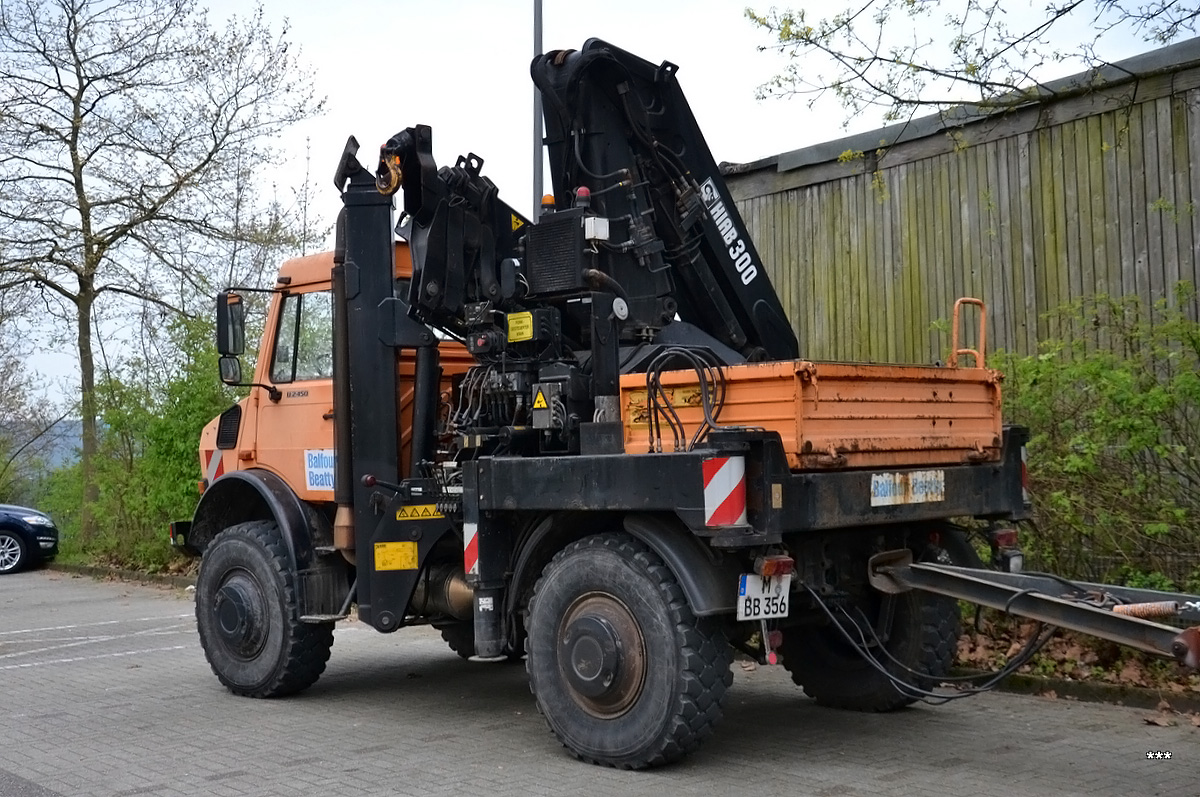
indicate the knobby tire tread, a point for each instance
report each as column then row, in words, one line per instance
column 937, row 624
column 707, row 656
column 308, row 644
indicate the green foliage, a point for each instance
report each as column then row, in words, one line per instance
column 1114, row 409
column 147, row 464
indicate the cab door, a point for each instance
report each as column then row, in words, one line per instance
column 295, row 433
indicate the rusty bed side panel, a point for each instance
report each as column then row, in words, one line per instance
column 837, row 415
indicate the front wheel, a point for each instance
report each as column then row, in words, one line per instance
column 622, row 670
column 247, row 618
column 12, row 552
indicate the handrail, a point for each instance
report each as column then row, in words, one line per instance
column 978, row 354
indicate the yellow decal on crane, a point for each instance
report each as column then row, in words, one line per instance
column 418, row 512
column 520, row 327
column 539, row 401
column 516, row 223
column 395, row 556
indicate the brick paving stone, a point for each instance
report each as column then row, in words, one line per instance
column 104, row 691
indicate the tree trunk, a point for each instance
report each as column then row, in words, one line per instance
column 87, row 409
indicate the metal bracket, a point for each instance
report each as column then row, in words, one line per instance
column 880, row 571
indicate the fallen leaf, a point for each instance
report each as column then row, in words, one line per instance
column 1163, row 705
column 1196, row 720
column 1050, row 694
column 749, row 665
column 1132, row 674
column 1159, row 720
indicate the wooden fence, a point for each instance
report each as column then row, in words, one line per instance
column 870, row 239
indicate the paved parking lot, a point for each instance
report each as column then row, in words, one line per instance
column 104, row 692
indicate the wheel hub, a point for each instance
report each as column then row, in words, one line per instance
column 592, row 652
column 601, row 654
column 241, row 617
column 8, row 552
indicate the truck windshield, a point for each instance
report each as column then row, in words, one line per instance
column 304, row 339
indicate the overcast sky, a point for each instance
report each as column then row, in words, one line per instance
column 462, row 67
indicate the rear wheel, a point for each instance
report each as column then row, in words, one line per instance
column 923, row 635
column 460, row 637
column 12, row 552
column 247, row 618
column 623, row 671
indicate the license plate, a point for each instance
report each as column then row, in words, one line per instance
column 762, row 597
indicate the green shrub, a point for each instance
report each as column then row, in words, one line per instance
column 147, row 465
column 1113, row 405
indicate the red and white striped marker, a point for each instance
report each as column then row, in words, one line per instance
column 471, row 548
column 214, row 465
column 725, row 491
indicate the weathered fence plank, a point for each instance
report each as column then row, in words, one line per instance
column 1095, row 193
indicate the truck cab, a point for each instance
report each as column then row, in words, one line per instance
column 284, row 426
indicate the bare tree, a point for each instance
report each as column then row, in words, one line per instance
column 903, row 55
column 129, row 132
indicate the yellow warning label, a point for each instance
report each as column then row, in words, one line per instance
column 395, row 556
column 517, row 223
column 418, row 512
column 520, row 327
column 539, row 401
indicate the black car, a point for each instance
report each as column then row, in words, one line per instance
column 27, row 537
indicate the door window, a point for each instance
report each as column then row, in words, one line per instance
column 304, row 340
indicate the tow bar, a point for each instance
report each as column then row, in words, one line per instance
column 1118, row 614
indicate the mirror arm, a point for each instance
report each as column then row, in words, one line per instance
column 273, row 393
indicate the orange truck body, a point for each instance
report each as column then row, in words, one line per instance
column 829, row 415
column 841, row 415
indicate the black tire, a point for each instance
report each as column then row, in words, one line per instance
column 624, row 673
column 246, row 614
column 13, row 553
column 460, row 637
column 924, row 635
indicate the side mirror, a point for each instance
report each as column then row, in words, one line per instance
column 231, row 328
column 231, row 369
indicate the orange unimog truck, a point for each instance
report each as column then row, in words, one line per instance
column 591, row 440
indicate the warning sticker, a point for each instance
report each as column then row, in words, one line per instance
column 539, row 400
column 395, row 556
column 517, row 223
column 418, row 512
column 520, row 327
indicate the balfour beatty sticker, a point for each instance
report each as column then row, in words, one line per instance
column 318, row 468
column 914, row 487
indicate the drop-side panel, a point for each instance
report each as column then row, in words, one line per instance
column 838, row 415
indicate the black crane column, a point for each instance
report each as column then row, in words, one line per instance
column 365, row 225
